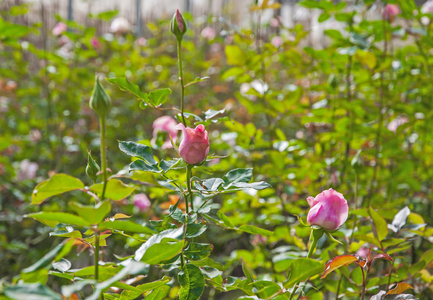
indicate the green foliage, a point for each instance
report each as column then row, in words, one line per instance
column 285, row 120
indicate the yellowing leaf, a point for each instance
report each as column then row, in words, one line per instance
column 400, row 288
column 337, row 262
column 120, row 216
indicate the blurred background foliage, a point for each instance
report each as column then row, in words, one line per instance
column 353, row 114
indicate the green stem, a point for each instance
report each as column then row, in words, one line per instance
column 310, row 253
column 103, row 155
column 179, row 60
column 312, row 246
column 188, row 183
column 97, row 258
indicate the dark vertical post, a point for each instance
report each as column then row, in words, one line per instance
column 70, row 10
column 138, row 16
column 187, row 5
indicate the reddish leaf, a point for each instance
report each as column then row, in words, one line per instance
column 383, row 256
column 361, row 264
column 400, row 288
column 338, row 261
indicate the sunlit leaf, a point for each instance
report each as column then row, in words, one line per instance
column 380, row 224
column 116, row 190
column 302, row 269
column 56, row 185
column 337, row 262
column 399, row 288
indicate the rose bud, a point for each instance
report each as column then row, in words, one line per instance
column 178, row 25
column 100, row 101
column 141, row 202
column 328, row 210
column 391, row 11
column 166, row 125
column 195, row 144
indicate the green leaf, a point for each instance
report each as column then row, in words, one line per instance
column 261, row 185
column 105, row 272
column 92, row 167
column 125, row 85
column 195, row 230
column 116, row 190
column 192, row 283
column 93, row 214
column 31, row 291
column 380, row 224
column 210, row 113
column 158, row 97
column 334, row 34
column 141, row 165
column 160, row 293
column 302, row 269
column 225, row 219
column 211, row 184
column 129, row 295
column 128, row 226
column 108, row 15
column 58, row 184
column 198, row 251
column 235, row 56
column 138, row 150
column 166, row 242
column 53, row 218
column 323, row 17
column 133, row 268
column 166, row 165
column 237, row 175
column 44, row 261
column 163, row 251
column 197, row 79
column 265, row 289
column 68, row 290
column 255, row 230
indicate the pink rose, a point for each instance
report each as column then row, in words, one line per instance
column 208, row 33
column 397, row 122
column 141, row 202
column 363, row 252
column 59, row 28
column 96, row 44
column 329, row 210
column 391, row 10
column 277, row 41
column 165, row 124
column 195, row 144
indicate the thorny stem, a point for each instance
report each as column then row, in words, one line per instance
column 179, row 60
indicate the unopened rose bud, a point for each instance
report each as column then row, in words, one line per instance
column 178, row 25
column 141, row 202
column 100, row 101
column 195, row 144
column 391, row 11
column 328, row 210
